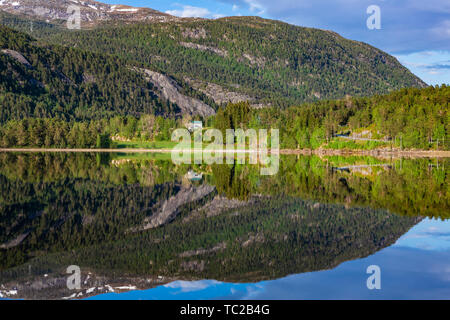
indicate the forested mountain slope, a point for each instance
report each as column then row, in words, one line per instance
column 46, row 81
column 91, row 12
column 406, row 118
column 263, row 61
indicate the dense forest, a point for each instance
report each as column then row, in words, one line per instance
column 99, row 95
column 270, row 62
column 408, row 118
column 54, row 133
column 44, row 81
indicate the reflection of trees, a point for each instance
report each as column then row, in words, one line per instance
column 104, row 167
column 77, row 210
column 267, row 239
column 232, row 181
column 410, row 189
column 413, row 187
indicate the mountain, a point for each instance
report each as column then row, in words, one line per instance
column 124, row 218
column 265, row 62
column 91, row 12
column 46, row 81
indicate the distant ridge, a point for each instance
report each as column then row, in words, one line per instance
column 91, row 11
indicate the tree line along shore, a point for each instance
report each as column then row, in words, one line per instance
column 407, row 120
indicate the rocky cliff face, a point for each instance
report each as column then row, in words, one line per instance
column 233, row 59
column 91, row 11
column 170, row 208
column 169, row 90
column 54, row 286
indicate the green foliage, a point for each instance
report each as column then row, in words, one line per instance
column 234, row 116
column 85, row 205
column 408, row 118
column 52, row 133
column 103, row 141
column 276, row 63
column 70, row 84
column 355, row 145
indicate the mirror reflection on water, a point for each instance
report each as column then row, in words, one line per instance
column 140, row 227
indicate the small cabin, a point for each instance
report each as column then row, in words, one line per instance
column 193, row 176
column 194, row 125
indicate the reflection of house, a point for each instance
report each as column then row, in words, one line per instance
column 193, row 176
column 194, row 125
column 365, row 170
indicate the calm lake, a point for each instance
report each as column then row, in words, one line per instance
column 137, row 226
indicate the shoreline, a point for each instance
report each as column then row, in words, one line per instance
column 320, row 152
column 373, row 153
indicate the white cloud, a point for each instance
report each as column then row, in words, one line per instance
column 255, row 6
column 194, row 12
column 427, row 53
column 189, row 286
column 235, row 7
column 190, row 12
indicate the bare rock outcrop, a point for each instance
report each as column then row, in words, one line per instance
column 169, row 90
column 91, row 12
column 18, row 56
column 15, row 242
column 170, row 207
column 191, row 45
column 221, row 95
column 199, row 33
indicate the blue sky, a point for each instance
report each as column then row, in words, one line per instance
column 417, row 32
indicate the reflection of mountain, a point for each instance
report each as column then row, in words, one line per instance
column 270, row 238
column 82, row 211
column 408, row 187
column 73, row 213
column 169, row 208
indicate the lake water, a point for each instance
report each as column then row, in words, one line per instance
column 140, row 227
